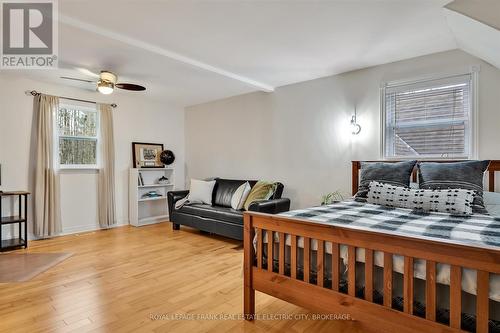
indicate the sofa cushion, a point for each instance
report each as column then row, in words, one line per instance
column 261, row 191
column 214, row 212
column 279, row 191
column 224, row 190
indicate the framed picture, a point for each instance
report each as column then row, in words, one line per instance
column 147, row 155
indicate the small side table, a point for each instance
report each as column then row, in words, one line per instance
column 21, row 218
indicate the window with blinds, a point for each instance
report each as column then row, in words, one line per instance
column 429, row 119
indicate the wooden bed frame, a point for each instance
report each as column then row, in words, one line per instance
column 370, row 317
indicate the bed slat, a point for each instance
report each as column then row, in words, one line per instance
column 259, row 248
column 351, row 270
column 408, row 285
column 320, row 263
column 293, row 257
column 270, row 243
column 455, row 296
column 307, row 259
column 430, row 290
column 491, row 181
column 369, row 275
column 482, row 300
column 335, row 267
column 388, row 279
column 282, row 253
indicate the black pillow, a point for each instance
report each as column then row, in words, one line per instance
column 467, row 175
column 397, row 174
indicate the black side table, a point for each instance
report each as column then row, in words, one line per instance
column 21, row 218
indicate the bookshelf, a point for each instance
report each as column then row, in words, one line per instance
column 144, row 210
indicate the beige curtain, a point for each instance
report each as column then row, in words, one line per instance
column 47, row 210
column 106, row 182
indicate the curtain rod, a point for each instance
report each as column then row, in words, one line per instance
column 36, row 93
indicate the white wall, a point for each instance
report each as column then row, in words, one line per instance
column 135, row 119
column 299, row 134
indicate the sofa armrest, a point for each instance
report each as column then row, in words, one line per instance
column 274, row 206
column 173, row 197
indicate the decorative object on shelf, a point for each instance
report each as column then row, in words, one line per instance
column 331, row 197
column 163, row 180
column 147, row 155
column 167, row 157
column 141, row 180
column 355, row 127
column 151, row 194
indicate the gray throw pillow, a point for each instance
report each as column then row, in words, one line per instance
column 466, row 175
column 451, row 201
column 397, row 174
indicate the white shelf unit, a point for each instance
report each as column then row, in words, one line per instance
column 144, row 210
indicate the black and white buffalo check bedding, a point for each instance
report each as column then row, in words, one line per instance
column 476, row 229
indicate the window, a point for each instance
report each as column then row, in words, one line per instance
column 429, row 119
column 77, row 131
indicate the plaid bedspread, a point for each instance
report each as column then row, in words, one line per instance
column 482, row 230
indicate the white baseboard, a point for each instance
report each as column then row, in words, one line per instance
column 82, row 228
column 89, row 227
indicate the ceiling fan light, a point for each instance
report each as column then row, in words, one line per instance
column 105, row 87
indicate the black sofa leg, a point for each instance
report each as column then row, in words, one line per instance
column 176, row 226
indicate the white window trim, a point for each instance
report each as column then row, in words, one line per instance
column 474, row 109
column 69, row 167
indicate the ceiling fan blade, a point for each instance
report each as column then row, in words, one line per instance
column 130, row 86
column 75, row 79
column 87, row 72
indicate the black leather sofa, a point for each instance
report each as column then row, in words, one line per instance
column 219, row 218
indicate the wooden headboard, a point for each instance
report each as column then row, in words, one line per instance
column 356, row 165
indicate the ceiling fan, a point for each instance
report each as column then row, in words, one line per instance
column 106, row 82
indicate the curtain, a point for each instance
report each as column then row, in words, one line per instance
column 106, row 181
column 47, row 210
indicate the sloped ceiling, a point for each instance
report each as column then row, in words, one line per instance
column 476, row 27
column 484, row 11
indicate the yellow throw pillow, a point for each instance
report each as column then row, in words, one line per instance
column 261, row 191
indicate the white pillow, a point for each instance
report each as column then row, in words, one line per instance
column 452, row 201
column 201, row 191
column 240, row 196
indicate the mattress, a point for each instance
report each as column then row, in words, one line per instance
column 481, row 230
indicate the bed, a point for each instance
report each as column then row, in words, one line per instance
column 431, row 273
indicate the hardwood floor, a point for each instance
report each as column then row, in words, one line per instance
column 118, row 279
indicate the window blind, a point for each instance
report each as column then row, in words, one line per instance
column 429, row 118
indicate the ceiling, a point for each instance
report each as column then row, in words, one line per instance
column 476, row 28
column 190, row 52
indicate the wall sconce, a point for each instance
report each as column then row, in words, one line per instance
column 355, row 127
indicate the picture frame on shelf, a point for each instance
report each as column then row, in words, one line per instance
column 146, row 155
